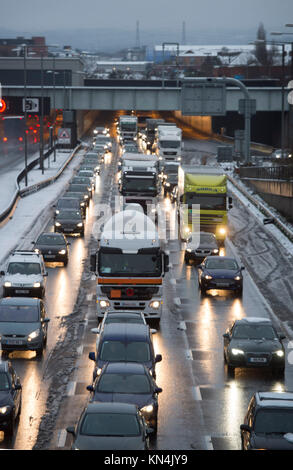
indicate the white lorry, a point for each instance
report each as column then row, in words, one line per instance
column 127, row 128
column 168, row 143
column 130, row 265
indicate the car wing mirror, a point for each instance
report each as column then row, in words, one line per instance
column 153, row 331
column 2, row 273
column 46, row 320
column 158, row 358
column 245, row 427
column 158, row 390
column 71, row 430
column 226, row 335
column 149, row 431
column 90, row 388
column 268, row 220
column 96, row 331
column 92, row 356
column 282, row 336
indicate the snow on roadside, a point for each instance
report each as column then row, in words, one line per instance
column 32, row 213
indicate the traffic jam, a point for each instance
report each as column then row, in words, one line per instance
column 183, row 352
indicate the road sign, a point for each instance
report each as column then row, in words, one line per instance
column 249, row 105
column 31, row 105
column 203, row 98
column 64, row 136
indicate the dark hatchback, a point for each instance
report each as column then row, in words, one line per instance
column 90, row 166
column 220, row 272
column 268, row 423
column 199, row 246
column 83, row 180
column 125, row 342
column 70, row 203
column 53, row 246
column 110, row 426
column 83, row 201
column 10, row 397
column 254, row 342
column 128, row 382
column 81, row 188
column 69, row 221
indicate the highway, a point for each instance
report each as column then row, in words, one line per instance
column 200, row 408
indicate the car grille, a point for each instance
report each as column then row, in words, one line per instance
column 203, row 252
column 131, row 293
column 14, row 336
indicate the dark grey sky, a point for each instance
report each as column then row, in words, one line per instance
column 35, row 16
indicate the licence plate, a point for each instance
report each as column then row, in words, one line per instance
column 222, row 284
column 258, row 359
column 127, row 304
column 14, row 342
column 50, row 256
column 22, row 291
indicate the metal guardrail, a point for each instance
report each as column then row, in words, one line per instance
column 35, row 187
column 284, row 173
column 270, row 217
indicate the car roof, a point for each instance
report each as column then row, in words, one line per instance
column 97, row 407
column 124, row 314
column 53, row 234
column 274, row 399
column 25, row 257
column 20, row 301
column 222, row 258
column 134, row 331
column 253, row 320
column 125, row 368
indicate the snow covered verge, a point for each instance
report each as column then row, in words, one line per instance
column 33, row 211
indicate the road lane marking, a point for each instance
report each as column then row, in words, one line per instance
column 196, row 393
column 71, row 388
column 62, row 438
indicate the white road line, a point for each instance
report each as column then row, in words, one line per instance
column 177, row 301
column 182, row 325
column 196, row 393
column 71, row 388
column 62, row 438
column 208, row 441
column 89, row 297
column 188, row 354
column 80, row 350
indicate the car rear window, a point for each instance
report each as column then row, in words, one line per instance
column 134, row 351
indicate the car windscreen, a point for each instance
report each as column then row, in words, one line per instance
column 274, row 421
column 110, row 424
column 139, row 184
column 123, row 383
column 206, row 202
column 254, row 332
column 204, row 239
column 50, row 240
column 132, row 320
column 24, row 268
column 68, row 214
column 79, row 188
column 4, row 382
column 67, row 204
column 132, row 351
column 222, row 263
column 139, row 264
column 88, row 174
column 19, row 313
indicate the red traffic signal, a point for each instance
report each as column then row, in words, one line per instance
column 3, row 106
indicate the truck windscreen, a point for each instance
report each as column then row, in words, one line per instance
column 128, row 126
column 119, row 264
column 170, row 144
column 206, row 201
column 139, row 184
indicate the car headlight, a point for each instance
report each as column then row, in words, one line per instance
column 215, row 251
column 279, row 353
column 155, row 304
column 80, row 224
column 188, row 250
column 4, row 409
column 85, row 196
column 57, row 224
column 147, row 409
column 37, row 284
column 168, row 185
column 57, row 212
column 208, row 277
column 82, row 204
column 34, row 334
column 237, row 278
column 62, row 252
column 7, row 284
column 236, row 352
column 104, row 303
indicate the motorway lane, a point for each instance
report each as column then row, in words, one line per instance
column 61, row 293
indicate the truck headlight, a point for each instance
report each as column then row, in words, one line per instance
column 7, row 284
column 188, row 250
column 57, row 224
column 155, row 304
column 147, row 409
column 57, row 212
column 62, row 252
column 34, row 334
column 215, row 251
column 222, row 231
column 104, row 303
column 37, row 284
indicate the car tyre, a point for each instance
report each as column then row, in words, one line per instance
column 239, row 293
column 278, row 373
column 40, row 351
column 65, row 262
column 231, row 371
column 11, row 428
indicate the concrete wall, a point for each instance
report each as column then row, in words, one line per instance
column 279, row 194
column 199, row 123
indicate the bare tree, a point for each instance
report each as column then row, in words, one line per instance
column 261, row 52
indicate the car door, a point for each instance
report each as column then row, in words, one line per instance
column 16, row 394
column 44, row 325
column 249, row 421
column 227, row 340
